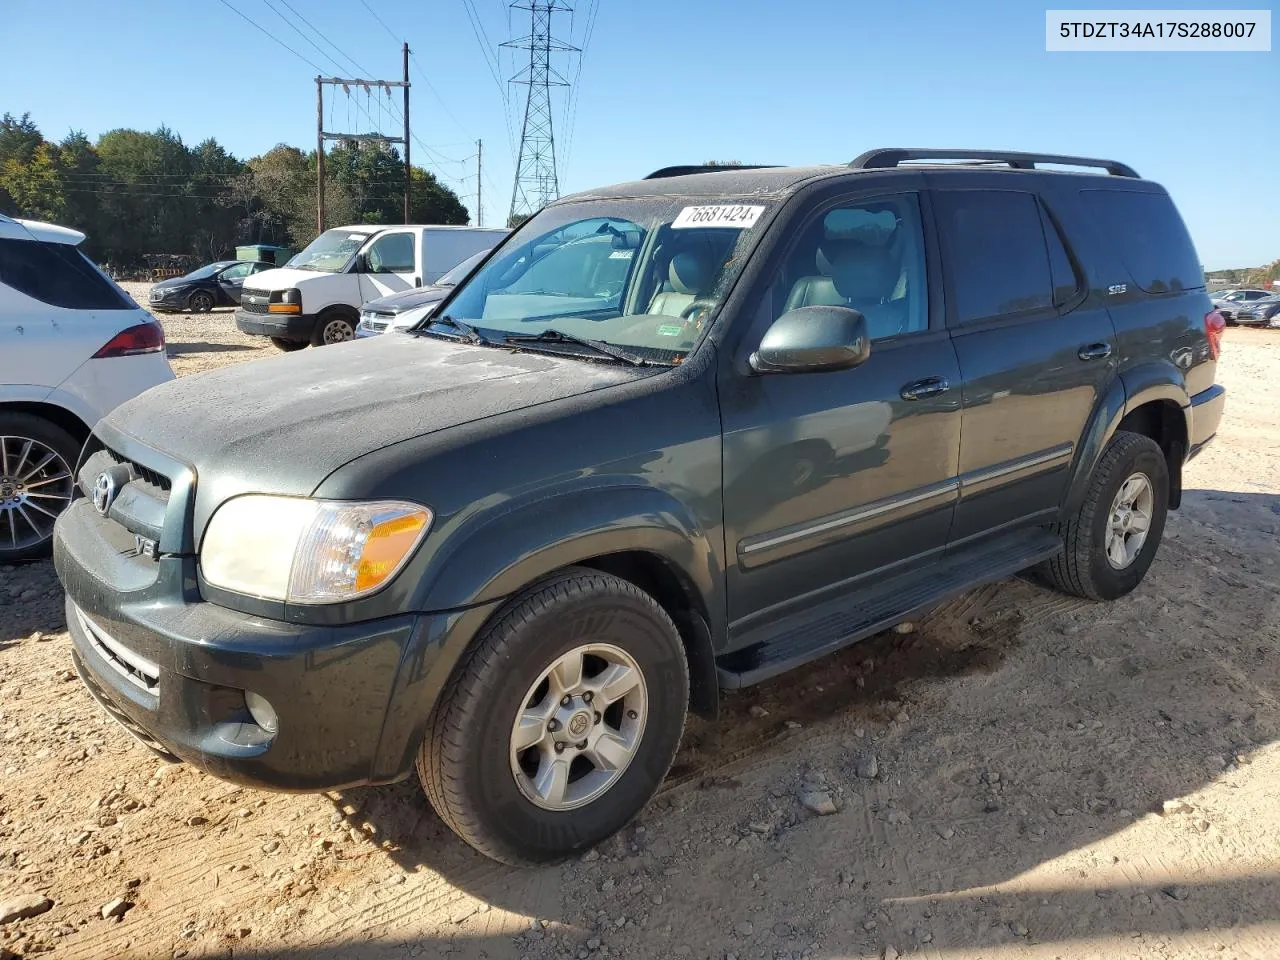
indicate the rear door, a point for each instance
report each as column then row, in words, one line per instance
column 390, row 264
column 1035, row 347
column 831, row 478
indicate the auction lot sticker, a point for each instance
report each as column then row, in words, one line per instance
column 718, row 215
column 1117, row 31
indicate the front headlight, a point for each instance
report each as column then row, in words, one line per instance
column 309, row 551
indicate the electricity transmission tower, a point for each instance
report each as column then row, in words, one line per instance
column 536, row 181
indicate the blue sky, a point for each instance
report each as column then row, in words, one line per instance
column 673, row 81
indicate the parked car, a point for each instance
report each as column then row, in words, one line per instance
column 213, row 285
column 400, row 311
column 1260, row 313
column 72, row 346
column 315, row 298
column 513, row 551
column 1231, row 302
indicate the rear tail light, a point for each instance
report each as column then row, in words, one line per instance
column 144, row 338
column 1213, row 327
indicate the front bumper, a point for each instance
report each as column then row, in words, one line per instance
column 174, row 670
column 284, row 326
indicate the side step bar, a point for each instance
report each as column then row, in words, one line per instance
column 845, row 620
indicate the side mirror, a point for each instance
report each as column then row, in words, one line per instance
column 813, row 340
column 361, row 264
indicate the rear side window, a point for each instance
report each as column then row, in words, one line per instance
column 1145, row 232
column 995, row 253
column 58, row 274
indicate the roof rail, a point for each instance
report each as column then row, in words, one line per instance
column 895, row 156
column 683, row 170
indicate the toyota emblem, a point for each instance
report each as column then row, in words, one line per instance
column 104, row 492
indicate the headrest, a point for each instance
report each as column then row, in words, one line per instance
column 862, row 273
column 688, row 272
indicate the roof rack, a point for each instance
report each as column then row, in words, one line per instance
column 683, row 170
column 895, row 156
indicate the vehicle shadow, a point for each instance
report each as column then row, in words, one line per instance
column 179, row 348
column 30, row 600
column 1108, row 709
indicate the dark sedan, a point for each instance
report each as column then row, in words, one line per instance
column 399, row 311
column 214, row 285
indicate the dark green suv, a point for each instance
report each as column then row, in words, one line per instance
column 671, row 437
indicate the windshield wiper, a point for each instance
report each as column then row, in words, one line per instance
column 469, row 333
column 551, row 335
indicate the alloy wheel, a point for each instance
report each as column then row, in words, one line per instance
column 35, row 486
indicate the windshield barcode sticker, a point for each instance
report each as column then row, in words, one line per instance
column 718, row 215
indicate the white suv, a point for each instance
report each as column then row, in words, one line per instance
column 73, row 345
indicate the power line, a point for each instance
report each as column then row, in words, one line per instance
column 292, row 26
column 351, row 60
column 574, row 95
column 271, row 36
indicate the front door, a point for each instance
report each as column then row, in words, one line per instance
column 390, row 264
column 831, row 478
column 1036, row 349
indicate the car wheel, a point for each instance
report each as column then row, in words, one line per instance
column 1113, row 537
column 561, row 721
column 288, row 346
column 37, row 460
column 200, row 302
column 333, row 328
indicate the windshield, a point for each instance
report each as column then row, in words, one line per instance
column 458, row 273
column 330, row 252
column 647, row 275
column 208, row 271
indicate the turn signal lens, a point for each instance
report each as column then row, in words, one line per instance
column 387, row 544
column 284, row 308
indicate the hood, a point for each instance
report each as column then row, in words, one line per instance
column 283, row 424
column 281, row 278
column 173, row 282
column 408, row 299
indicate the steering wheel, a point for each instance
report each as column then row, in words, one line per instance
column 692, row 310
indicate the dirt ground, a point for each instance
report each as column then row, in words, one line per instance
column 1022, row 776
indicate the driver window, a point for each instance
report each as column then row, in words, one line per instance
column 868, row 256
column 238, row 272
column 392, row 253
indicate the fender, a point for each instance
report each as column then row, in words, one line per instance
column 494, row 554
column 1159, row 380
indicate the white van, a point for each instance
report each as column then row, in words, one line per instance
column 315, row 298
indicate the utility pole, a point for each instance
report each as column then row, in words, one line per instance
column 322, row 134
column 319, row 157
column 408, row 173
column 479, row 169
column 537, row 183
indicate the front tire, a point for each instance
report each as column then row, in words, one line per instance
column 200, row 302
column 333, row 328
column 37, row 460
column 561, row 722
column 1110, row 542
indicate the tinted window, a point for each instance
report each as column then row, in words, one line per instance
column 995, row 253
column 1066, row 282
column 58, row 274
column 1145, row 232
column 589, row 267
column 392, row 254
column 867, row 255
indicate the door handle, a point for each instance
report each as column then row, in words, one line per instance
column 1094, row 351
column 928, row 387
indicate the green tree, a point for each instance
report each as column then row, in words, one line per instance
column 35, row 186
column 19, row 138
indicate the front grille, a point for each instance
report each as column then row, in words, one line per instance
column 138, row 670
column 251, row 303
column 145, row 474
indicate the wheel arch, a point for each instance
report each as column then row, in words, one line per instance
column 58, row 415
column 1150, row 399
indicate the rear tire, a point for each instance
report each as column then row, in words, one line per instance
column 29, row 491
column 489, row 770
column 288, row 346
column 1106, row 555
